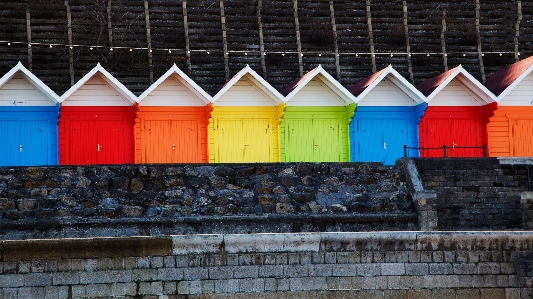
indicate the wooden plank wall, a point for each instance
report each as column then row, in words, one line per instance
column 292, row 41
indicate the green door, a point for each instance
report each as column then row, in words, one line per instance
column 314, row 140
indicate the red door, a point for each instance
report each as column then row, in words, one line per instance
column 83, row 137
column 96, row 135
column 110, row 147
column 436, row 132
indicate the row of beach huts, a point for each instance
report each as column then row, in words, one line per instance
column 314, row 119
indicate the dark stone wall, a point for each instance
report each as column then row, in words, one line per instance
column 475, row 194
column 124, row 200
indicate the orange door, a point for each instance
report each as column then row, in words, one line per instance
column 171, row 141
column 522, row 135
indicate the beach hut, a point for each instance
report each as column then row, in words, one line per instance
column 459, row 107
column 171, row 123
column 314, row 126
column 245, row 119
column 510, row 130
column 96, row 121
column 387, row 116
column 28, row 120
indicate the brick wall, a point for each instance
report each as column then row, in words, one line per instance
column 475, row 194
column 312, row 265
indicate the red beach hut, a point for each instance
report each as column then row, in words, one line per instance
column 458, row 111
column 96, row 121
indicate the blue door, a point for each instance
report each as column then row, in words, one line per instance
column 27, row 142
column 379, row 140
column 34, row 141
column 378, row 133
column 9, row 144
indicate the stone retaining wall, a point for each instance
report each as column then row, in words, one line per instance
column 312, row 265
column 136, row 200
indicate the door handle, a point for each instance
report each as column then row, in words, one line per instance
column 20, row 148
column 99, row 146
column 384, row 145
column 172, row 146
column 454, row 144
column 316, row 145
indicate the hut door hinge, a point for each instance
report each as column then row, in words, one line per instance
column 20, row 148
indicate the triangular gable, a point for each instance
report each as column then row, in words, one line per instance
column 514, row 81
column 460, row 77
column 19, row 87
column 317, row 88
column 174, row 88
column 386, row 88
column 247, row 88
column 116, row 94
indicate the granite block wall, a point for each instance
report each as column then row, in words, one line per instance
column 308, row 265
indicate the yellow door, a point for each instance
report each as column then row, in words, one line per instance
column 242, row 140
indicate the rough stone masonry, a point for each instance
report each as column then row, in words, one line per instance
column 136, row 200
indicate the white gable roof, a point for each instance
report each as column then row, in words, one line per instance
column 338, row 95
column 109, row 80
column 389, row 74
column 200, row 96
column 51, row 97
column 464, row 78
column 249, row 75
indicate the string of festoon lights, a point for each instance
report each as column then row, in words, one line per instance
column 246, row 52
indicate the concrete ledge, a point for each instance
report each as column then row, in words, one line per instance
column 263, row 243
column 342, row 218
column 518, row 161
column 85, row 248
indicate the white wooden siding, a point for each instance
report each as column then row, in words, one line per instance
column 316, row 93
column 18, row 89
column 171, row 92
column 96, row 92
column 245, row 93
column 456, row 94
column 386, row 93
column 521, row 94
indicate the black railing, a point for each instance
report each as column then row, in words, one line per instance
column 443, row 148
column 528, row 178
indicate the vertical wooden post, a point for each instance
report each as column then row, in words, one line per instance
column 479, row 50
column 370, row 35
column 28, row 35
column 517, row 30
column 109, row 24
column 261, row 42
column 224, row 39
column 407, row 44
column 442, row 41
column 149, row 40
column 298, row 41
column 335, row 43
column 70, row 50
column 186, row 31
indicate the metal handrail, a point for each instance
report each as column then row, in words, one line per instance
column 444, row 147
